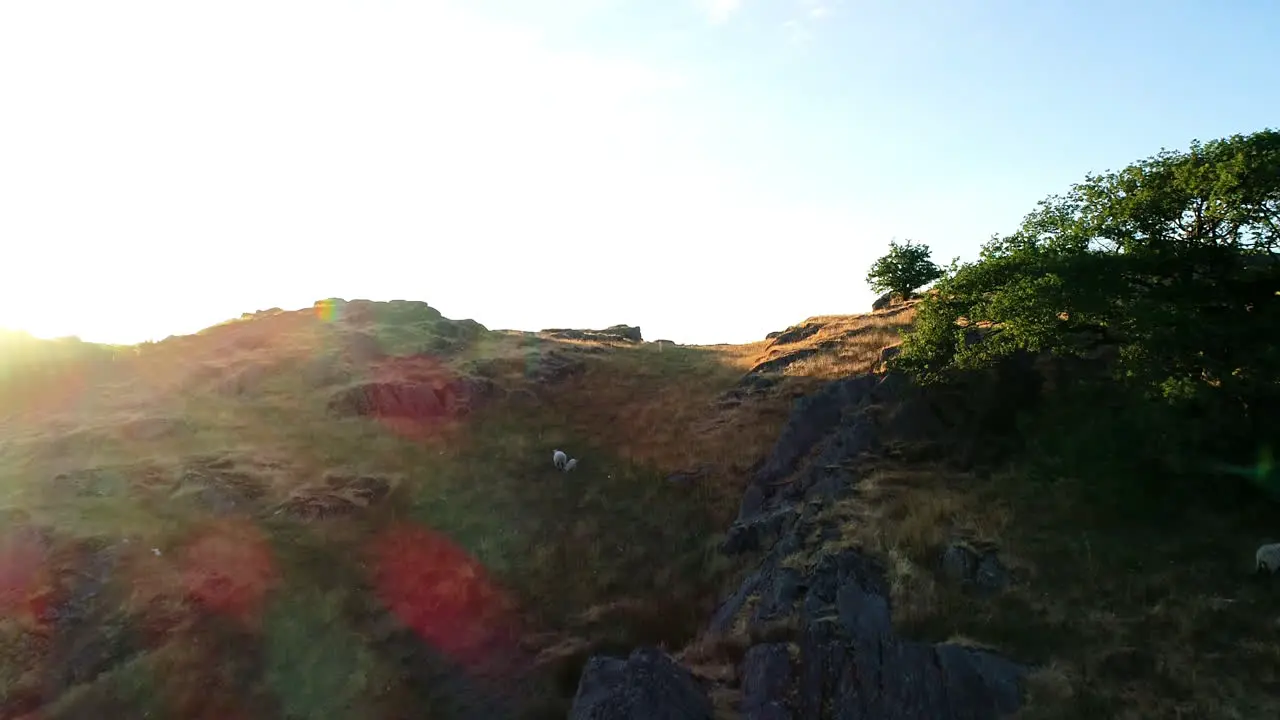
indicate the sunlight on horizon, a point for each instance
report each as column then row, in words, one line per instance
column 230, row 158
column 709, row 171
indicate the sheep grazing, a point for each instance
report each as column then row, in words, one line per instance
column 558, row 458
column 1267, row 558
column 573, row 463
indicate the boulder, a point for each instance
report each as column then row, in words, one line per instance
column 797, row 333
column 626, row 332
column 613, row 333
column 648, row 685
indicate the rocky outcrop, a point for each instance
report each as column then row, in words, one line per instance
column 613, row 333
column 795, row 334
column 648, row 685
column 410, row 399
column 553, row 367
column 838, row 656
column 341, row 495
column 889, row 299
column 978, row 569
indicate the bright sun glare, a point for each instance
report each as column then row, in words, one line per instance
column 181, row 164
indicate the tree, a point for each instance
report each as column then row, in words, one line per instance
column 1174, row 261
column 905, row 268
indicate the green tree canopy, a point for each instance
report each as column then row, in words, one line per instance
column 1173, row 260
column 905, row 268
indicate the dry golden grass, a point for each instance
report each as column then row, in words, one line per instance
column 582, row 553
column 1129, row 620
column 658, row 408
column 609, row 556
column 843, row 345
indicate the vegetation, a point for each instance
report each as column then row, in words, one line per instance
column 1132, row 511
column 904, row 269
column 1171, row 265
column 275, row 587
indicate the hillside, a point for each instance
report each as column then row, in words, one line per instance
column 351, row 511
column 221, row 524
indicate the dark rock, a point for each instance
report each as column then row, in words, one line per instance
column 890, row 353
column 784, row 587
column 627, row 332
column 648, row 685
column 89, row 635
column 958, row 563
column 757, row 382
column 834, row 605
column 779, row 364
column 220, row 486
column 773, row 335
column 991, row 575
column 752, row 502
column 831, row 473
column 882, row 302
column 812, row 417
column 766, row 677
column 724, row 615
column 981, row 571
column 612, row 333
column 341, row 495
column 834, row 413
column 553, row 367
column 755, row 532
column 796, row 334
column 979, row 685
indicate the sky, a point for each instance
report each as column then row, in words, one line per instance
column 710, row 170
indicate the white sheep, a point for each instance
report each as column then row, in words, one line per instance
column 559, row 459
column 1268, row 558
column 573, row 463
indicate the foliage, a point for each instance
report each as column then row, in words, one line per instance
column 1171, row 261
column 905, row 268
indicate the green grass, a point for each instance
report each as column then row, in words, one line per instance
column 608, row 556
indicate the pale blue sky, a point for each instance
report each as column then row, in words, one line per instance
column 711, row 170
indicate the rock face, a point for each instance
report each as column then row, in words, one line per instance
column 795, row 334
column 647, row 686
column 613, row 333
column 843, row 659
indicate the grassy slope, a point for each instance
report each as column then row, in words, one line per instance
column 609, row 555
column 1130, row 616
